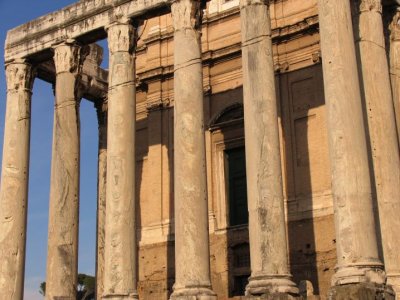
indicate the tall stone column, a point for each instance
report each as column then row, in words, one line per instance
column 394, row 55
column 358, row 269
column 270, row 273
column 120, row 269
column 192, row 253
column 14, row 181
column 62, row 253
column 374, row 71
column 101, row 108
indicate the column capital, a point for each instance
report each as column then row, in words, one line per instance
column 121, row 37
column 67, row 57
column 395, row 26
column 370, row 5
column 20, row 75
column 186, row 14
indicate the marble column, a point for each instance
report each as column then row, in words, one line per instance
column 14, row 181
column 101, row 108
column 120, row 269
column 358, row 265
column 62, row 253
column 394, row 56
column 377, row 94
column 192, row 253
column 270, row 273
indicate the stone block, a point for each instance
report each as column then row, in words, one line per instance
column 361, row 291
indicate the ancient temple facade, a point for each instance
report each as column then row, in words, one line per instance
column 248, row 149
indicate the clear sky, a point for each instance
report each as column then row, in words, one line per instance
column 12, row 14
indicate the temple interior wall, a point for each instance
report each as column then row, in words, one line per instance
column 304, row 146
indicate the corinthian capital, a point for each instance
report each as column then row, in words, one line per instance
column 186, row 14
column 121, row 37
column 395, row 26
column 370, row 5
column 67, row 58
column 19, row 75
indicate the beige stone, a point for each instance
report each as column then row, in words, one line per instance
column 268, row 241
column 377, row 94
column 301, row 126
column 14, row 183
column 192, row 253
column 357, row 250
column 101, row 107
column 120, row 269
column 394, row 56
column 62, row 252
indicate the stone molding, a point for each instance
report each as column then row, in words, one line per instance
column 73, row 21
column 20, row 75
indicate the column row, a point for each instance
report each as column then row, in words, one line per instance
column 355, row 75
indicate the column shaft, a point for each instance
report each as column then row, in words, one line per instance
column 14, row 181
column 62, row 256
column 270, row 273
column 356, row 243
column 192, row 254
column 374, row 71
column 101, row 108
column 395, row 65
column 120, row 270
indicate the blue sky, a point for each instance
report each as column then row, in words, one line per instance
column 12, row 14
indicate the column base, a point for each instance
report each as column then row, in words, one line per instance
column 193, row 293
column 361, row 273
column 271, row 287
column 364, row 291
column 131, row 296
column 393, row 280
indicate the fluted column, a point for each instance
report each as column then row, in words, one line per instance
column 120, row 269
column 358, row 264
column 14, row 181
column 101, row 108
column 192, row 254
column 374, row 71
column 270, row 273
column 394, row 55
column 62, row 253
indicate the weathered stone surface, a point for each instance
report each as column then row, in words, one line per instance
column 102, row 109
column 356, row 246
column 192, row 252
column 377, row 94
column 268, row 241
column 62, row 253
column 394, row 57
column 14, row 181
column 120, row 270
column 364, row 291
